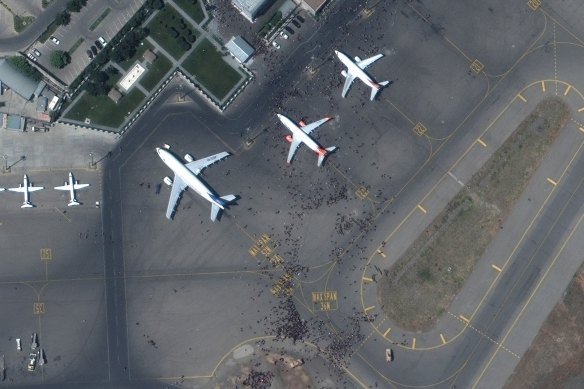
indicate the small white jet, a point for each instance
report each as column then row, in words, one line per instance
column 185, row 175
column 300, row 134
column 71, row 187
column 26, row 188
column 356, row 69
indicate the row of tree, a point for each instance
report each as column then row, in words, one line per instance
column 64, row 18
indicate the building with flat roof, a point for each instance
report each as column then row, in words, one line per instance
column 131, row 77
column 115, row 95
column 250, row 9
column 149, row 56
column 240, row 49
column 312, row 6
column 15, row 80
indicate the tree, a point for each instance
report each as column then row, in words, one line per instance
column 60, row 59
column 25, row 68
column 63, row 18
column 74, row 6
column 155, row 4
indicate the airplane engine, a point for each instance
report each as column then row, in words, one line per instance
column 167, row 180
column 288, row 138
column 357, row 59
column 344, row 73
column 302, row 123
column 189, row 158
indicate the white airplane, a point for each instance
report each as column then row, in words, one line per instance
column 301, row 135
column 356, row 69
column 71, row 187
column 185, row 175
column 26, row 188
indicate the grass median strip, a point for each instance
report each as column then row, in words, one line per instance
column 425, row 280
column 99, row 19
column 76, row 45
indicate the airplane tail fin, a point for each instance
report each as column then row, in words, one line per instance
column 224, row 201
column 27, row 205
column 375, row 91
column 322, row 157
column 73, row 202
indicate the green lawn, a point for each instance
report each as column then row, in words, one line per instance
column 172, row 32
column 103, row 111
column 155, row 72
column 207, row 66
column 99, row 19
column 22, row 22
column 127, row 64
column 48, row 32
column 193, row 8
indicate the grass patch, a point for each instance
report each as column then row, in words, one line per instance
column 193, row 8
column 22, row 22
column 99, row 19
column 103, row 111
column 76, row 45
column 208, row 67
column 424, row 281
column 155, row 72
column 48, row 32
column 172, row 32
column 270, row 24
column 127, row 64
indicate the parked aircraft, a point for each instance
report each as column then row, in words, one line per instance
column 71, row 187
column 301, row 134
column 25, row 188
column 185, row 175
column 356, row 69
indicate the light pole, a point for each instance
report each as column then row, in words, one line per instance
column 5, row 163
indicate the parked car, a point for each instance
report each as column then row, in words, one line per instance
column 54, row 40
column 300, row 18
column 31, row 57
column 98, row 45
column 294, row 22
column 89, row 54
column 289, row 30
column 36, row 52
column 276, row 45
column 18, row 344
column 102, row 41
column 388, row 355
column 94, row 50
column 284, row 35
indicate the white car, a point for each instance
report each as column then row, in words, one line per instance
column 284, row 35
column 18, row 344
column 54, row 40
column 388, row 355
column 102, row 41
column 276, row 45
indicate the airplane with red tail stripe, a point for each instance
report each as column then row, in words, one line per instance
column 301, row 134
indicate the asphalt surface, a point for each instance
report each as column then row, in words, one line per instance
column 191, row 303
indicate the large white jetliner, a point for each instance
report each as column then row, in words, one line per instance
column 300, row 134
column 71, row 187
column 356, row 69
column 185, row 175
column 25, row 188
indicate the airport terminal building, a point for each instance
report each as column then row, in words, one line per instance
column 250, row 9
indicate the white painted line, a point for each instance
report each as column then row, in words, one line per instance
column 455, row 178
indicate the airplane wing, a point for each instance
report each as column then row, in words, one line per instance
column 293, row 147
column 198, row 165
column 34, row 188
column 314, row 125
column 178, row 186
column 348, row 81
column 368, row 61
column 80, row 186
column 20, row 189
column 64, row 187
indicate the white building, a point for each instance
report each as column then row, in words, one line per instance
column 240, row 49
column 251, row 8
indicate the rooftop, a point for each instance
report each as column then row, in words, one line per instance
column 240, row 49
column 17, row 81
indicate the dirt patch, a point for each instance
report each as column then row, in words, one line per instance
column 555, row 359
column 424, row 281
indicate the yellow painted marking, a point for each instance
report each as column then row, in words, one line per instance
column 381, row 253
column 543, row 86
column 464, row 319
column 369, row 308
column 276, row 260
column 39, row 308
column 367, row 279
column 480, row 141
column 497, row 268
column 46, row 254
column 422, row 208
column 362, row 192
column 581, row 109
column 386, row 332
column 567, row 90
column 552, row 182
column 253, row 250
column 413, row 343
column 581, row 129
column 521, row 97
column 442, row 339
column 534, row 4
column 477, row 66
column 420, row 129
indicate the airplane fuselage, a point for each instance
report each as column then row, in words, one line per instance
column 302, row 136
column 356, row 70
column 72, row 189
column 187, row 176
column 26, row 184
